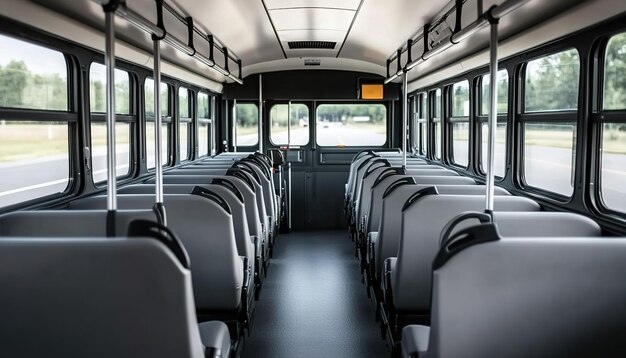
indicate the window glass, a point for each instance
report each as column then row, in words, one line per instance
column 204, row 128
column 460, row 143
column 552, row 82
column 32, row 76
column 613, row 170
column 183, row 103
column 423, row 119
column 460, row 99
column 437, row 140
column 500, row 148
column 184, row 126
column 183, row 136
column 150, row 144
column 424, row 134
column 351, row 124
column 165, row 98
column 99, row 150
column 437, row 104
column 247, row 124
column 97, row 101
column 203, row 105
column 503, row 92
column 298, row 120
column 415, row 129
column 97, row 89
column 204, row 125
column 34, row 160
column 437, row 123
column 615, row 73
column 165, row 112
column 424, row 107
column 548, row 156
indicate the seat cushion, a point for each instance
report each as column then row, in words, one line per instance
column 214, row 335
column 414, row 339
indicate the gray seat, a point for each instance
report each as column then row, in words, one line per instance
column 422, row 223
column 382, row 186
column 363, row 196
column 205, row 227
column 551, row 297
column 205, row 179
column 371, row 171
column 359, row 162
column 386, row 241
column 259, row 175
column 75, row 293
column 406, row 290
column 247, row 245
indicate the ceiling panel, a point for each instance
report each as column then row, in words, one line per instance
column 312, row 35
column 332, row 4
column 243, row 26
column 381, row 27
column 307, row 19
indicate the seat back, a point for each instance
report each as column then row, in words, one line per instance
column 205, row 179
column 539, row 297
column 391, row 219
column 424, row 216
column 205, row 227
column 369, row 167
column 362, row 200
column 253, row 223
column 95, row 297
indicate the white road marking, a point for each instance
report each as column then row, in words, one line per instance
column 33, row 187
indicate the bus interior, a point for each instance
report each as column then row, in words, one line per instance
column 312, row 178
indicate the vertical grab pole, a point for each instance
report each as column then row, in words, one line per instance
column 109, row 61
column 405, row 112
column 286, row 156
column 234, row 118
column 159, row 208
column 289, row 195
column 288, row 125
column 493, row 111
column 260, row 113
column 213, row 127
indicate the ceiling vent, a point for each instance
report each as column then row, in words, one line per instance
column 324, row 45
column 312, row 61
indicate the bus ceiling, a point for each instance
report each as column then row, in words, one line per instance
column 353, row 35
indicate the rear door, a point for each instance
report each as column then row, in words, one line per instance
column 319, row 141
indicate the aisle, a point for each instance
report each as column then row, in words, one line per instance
column 313, row 303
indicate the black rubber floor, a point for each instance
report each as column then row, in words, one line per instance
column 313, row 303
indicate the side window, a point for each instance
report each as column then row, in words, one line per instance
column 502, row 79
column 166, row 117
column 204, row 124
column 551, row 83
column 551, row 91
column 415, row 129
column 436, row 120
column 184, row 123
column 124, row 120
column 459, row 123
column 298, row 131
column 613, row 146
column 34, row 154
column 247, row 124
column 423, row 122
